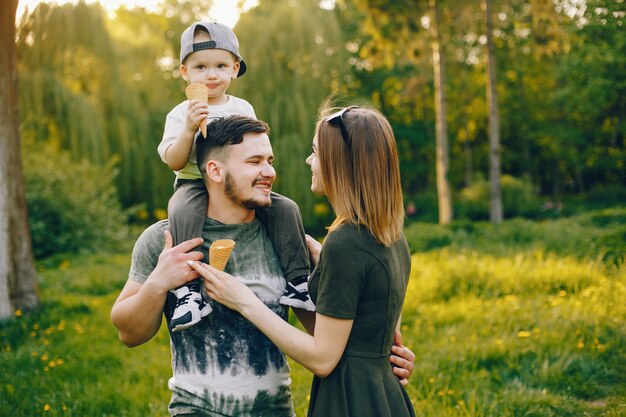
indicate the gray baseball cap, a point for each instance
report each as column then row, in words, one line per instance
column 222, row 37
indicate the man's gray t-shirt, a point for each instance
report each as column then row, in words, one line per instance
column 224, row 366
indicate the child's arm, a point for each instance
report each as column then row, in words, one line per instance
column 177, row 154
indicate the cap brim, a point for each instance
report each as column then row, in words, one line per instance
column 242, row 68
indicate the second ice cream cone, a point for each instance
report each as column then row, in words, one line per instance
column 219, row 252
column 198, row 91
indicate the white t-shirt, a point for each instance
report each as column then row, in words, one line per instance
column 175, row 123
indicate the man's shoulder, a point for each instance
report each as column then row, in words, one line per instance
column 152, row 238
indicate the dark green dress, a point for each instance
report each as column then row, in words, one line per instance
column 357, row 278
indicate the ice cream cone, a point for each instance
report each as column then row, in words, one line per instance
column 198, row 91
column 219, row 252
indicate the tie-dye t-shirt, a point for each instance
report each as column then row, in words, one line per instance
column 224, row 366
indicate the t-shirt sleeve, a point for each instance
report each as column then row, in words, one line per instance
column 174, row 124
column 342, row 278
column 146, row 252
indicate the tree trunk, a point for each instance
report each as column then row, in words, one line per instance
column 18, row 281
column 495, row 197
column 443, row 187
column 469, row 166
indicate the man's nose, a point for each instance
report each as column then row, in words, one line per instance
column 268, row 170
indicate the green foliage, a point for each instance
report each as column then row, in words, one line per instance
column 518, row 199
column 594, row 235
column 101, row 86
column 296, row 59
column 72, row 206
column 518, row 319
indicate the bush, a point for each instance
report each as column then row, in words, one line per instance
column 72, row 206
column 518, row 199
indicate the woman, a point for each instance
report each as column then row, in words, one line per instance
column 360, row 279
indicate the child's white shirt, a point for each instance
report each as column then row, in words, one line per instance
column 175, row 123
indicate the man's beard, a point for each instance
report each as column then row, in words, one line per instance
column 233, row 192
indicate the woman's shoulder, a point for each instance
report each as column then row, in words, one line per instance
column 351, row 236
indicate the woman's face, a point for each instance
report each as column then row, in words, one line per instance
column 317, row 183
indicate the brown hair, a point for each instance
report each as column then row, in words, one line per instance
column 362, row 180
column 223, row 132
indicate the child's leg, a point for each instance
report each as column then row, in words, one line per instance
column 284, row 225
column 186, row 211
column 186, row 216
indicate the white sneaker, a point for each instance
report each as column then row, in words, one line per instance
column 297, row 294
column 189, row 309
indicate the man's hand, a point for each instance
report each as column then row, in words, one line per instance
column 402, row 359
column 172, row 269
column 315, row 248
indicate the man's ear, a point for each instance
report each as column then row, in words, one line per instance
column 183, row 72
column 214, row 171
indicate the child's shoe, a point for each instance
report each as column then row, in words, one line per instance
column 189, row 309
column 297, row 294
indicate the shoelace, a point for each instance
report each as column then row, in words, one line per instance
column 182, row 300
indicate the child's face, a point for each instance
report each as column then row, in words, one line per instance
column 213, row 67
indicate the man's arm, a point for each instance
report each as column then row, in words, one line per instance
column 137, row 312
column 402, row 358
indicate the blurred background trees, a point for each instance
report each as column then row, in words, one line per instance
column 95, row 89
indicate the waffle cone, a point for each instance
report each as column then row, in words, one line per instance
column 219, row 252
column 198, row 91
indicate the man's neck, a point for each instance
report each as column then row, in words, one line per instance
column 225, row 211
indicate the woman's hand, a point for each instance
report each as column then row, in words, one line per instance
column 223, row 287
column 315, row 248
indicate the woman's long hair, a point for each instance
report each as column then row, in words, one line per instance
column 362, row 178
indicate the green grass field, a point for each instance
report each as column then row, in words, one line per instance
column 522, row 319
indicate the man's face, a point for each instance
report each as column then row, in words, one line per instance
column 249, row 173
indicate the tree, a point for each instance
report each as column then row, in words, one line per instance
column 495, row 197
column 441, row 127
column 18, row 281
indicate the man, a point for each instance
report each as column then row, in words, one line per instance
column 222, row 366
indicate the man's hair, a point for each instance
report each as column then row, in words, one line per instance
column 220, row 134
column 362, row 180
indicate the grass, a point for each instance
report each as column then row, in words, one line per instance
column 522, row 319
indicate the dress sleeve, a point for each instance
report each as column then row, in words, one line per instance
column 342, row 277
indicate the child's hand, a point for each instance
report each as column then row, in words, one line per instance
column 196, row 113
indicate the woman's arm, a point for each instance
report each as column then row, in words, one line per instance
column 319, row 352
